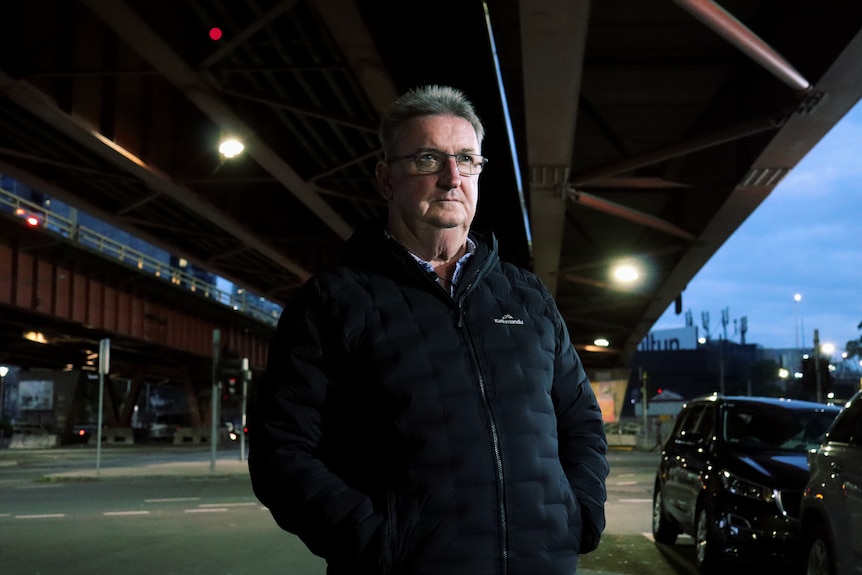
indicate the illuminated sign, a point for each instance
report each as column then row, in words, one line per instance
column 670, row 339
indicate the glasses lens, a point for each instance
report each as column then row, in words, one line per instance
column 468, row 163
column 431, row 162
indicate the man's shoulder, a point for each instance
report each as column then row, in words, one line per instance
column 334, row 278
column 520, row 274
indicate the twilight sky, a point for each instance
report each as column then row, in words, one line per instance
column 805, row 238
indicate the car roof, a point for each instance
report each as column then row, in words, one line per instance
column 782, row 402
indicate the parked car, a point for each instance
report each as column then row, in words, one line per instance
column 234, row 429
column 831, row 516
column 165, row 425
column 731, row 476
column 82, row 432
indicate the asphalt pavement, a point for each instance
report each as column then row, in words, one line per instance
column 133, row 462
column 19, row 467
column 146, row 461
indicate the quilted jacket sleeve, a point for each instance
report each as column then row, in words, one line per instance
column 303, row 495
column 582, row 441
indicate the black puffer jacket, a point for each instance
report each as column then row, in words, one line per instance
column 398, row 430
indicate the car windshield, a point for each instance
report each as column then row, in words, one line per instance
column 771, row 428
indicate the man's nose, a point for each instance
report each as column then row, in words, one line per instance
column 449, row 175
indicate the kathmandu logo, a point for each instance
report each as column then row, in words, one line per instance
column 509, row 320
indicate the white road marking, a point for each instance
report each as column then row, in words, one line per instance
column 207, row 510
column 635, row 500
column 202, row 508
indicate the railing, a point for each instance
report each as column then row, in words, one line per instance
column 145, row 263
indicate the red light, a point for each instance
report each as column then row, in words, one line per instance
column 659, row 390
column 32, row 221
column 215, row 33
column 82, row 432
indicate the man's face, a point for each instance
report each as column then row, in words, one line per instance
column 443, row 200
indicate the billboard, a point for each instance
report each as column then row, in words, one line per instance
column 670, row 339
column 35, row 395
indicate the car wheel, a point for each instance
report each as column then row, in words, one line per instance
column 706, row 544
column 819, row 557
column 662, row 530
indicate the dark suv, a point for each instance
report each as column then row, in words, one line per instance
column 832, row 502
column 731, row 475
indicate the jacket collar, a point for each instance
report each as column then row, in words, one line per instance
column 368, row 249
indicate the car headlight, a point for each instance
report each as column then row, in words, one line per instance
column 738, row 486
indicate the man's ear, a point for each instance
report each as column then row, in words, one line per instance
column 384, row 180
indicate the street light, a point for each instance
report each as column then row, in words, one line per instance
column 230, row 148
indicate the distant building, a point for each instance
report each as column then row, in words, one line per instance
column 717, row 366
column 675, row 363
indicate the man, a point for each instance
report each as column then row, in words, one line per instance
column 423, row 410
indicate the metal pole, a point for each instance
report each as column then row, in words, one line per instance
column 215, row 398
column 817, row 366
column 246, row 378
column 728, row 27
column 796, row 298
column 643, row 377
column 104, row 367
column 4, row 370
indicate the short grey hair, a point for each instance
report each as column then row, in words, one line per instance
column 426, row 101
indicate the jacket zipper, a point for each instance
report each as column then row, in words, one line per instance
column 492, row 424
column 458, row 304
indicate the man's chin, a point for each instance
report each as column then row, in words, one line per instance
column 450, row 224
column 449, row 220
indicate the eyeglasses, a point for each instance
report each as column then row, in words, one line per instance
column 433, row 161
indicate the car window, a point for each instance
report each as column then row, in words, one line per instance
column 848, row 425
column 706, row 423
column 696, row 423
column 765, row 427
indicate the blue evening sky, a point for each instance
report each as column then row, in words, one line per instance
column 805, row 238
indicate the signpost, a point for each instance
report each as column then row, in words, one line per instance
column 215, row 398
column 104, row 368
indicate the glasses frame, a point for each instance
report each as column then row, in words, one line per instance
column 415, row 158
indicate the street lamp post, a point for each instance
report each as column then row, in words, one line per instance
column 797, row 298
column 4, row 371
column 817, row 377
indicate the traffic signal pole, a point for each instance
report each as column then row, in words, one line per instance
column 246, row 378
column 818, row 377
column 214, row 399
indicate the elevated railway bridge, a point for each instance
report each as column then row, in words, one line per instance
column 65, row 287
